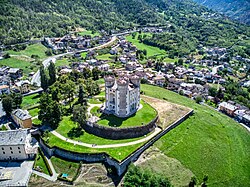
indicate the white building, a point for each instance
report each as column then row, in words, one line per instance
column 122, row 95
column 17, row 145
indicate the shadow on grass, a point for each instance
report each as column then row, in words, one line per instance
column 75, row 132
column 114, row 121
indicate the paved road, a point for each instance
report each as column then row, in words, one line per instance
column 156, row 131
column 36, row 77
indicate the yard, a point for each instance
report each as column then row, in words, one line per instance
column 105, row 57
column 31, row 100
column 34, row 112
column 65, row 167
column 62, row 62
column 207, row 143
column 40, row 164
column 151, row 51
column 141, row 117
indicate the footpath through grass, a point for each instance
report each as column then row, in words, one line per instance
column 208, row 143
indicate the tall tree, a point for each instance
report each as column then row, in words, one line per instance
column 7, row 103
column 17, row 100
column 82, row 96
column 95, row 73
column 52, row 73
column 44, row 78
column 79, row 114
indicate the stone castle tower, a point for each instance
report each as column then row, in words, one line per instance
column 122, row 95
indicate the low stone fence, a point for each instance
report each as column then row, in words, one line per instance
column 121, row 167
column 120, row 133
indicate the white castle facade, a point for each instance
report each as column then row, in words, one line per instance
column 122, row 95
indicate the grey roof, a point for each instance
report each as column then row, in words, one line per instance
column 21, row 114
column 13, row 137
column 13, row 70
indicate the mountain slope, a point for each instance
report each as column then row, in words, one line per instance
column 236, row 9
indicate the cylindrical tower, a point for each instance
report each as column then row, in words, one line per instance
column 122, row 86
column 135, row 80
column 109, row 81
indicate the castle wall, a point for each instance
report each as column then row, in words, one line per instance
column 120, row 133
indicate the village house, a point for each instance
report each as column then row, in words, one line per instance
column 22, row 118
column 227, row 108
column 23, row 86
column 17, row 145
column 15, row 73
column 4, row 89
column 159, row 80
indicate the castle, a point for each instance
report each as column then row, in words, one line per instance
column 122, row 95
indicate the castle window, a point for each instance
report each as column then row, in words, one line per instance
column 4, row 153
column 2, row 148
column 10, row 148
column 18, row 147
column 19, row 151
column 11, row 152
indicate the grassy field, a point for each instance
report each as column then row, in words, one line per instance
column 151, row 51
column 34, row 112
column 87, row 32
column 62, row 166
column 30, row 100
column 34, row 49
column 95, row 111
column 84, row 54
column 69, row 129
column 143, row 116
column 62, row 62
column 20, row 62
column 3, row 128
column 94, row 101
column 117, row 153
column 207, row 143
column 105, row 57
column 40, row 164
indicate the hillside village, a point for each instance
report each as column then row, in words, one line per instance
column 202, row 77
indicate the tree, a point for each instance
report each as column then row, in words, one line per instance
column 212, row 91
column 52, row 73
column 86, row 73
column 82, row 96
column 48, row 52
column 7, row 55
column 55, row 93
column 95, row 73
column 17, row 100
column 145, row 52
column 198, row 99
column 7, row 103
column 44, row 78
column 79, row 114
column 50, row 111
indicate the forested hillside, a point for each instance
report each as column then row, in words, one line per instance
column 236, row 9
column 191, row 24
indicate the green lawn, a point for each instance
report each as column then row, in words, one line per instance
column 40, row 164
column 105, row 57
column 69, row 129
column 141, row 117
column 94, row 101
column 207, row 143
column 151, row 51
column 30, row 100
column 84, row 54
column 100, row 81
column 34, row 112
column 117, row 153
column 20, row 62
column 95, row 111
column 3, row 128
column 62, row 166
column 62, row 62
column 87, row 32
column 34, row 49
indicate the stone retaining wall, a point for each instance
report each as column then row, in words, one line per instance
column 120, row 133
